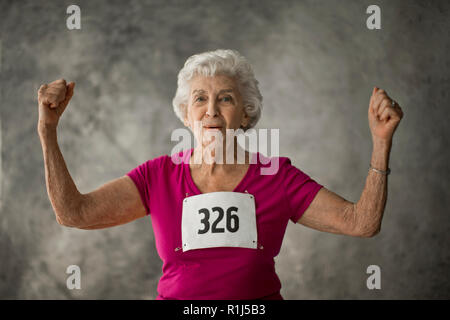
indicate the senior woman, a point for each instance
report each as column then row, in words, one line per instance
column 217, row 226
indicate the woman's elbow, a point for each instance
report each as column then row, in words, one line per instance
column 66, row 222
column 69, row 219
column 366, row 225
column 368, row 231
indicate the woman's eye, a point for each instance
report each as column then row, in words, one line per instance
column 226, row 99
column 199, row 99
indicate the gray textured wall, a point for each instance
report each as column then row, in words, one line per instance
column 317, row 64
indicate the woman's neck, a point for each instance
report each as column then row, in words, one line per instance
column 205, row 160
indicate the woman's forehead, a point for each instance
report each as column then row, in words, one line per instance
column 202, row 84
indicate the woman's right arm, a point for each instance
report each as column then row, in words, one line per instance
column 116, row 202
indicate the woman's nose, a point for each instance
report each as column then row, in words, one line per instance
column 212, row 109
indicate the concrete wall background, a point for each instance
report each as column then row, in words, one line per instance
column 317, row 64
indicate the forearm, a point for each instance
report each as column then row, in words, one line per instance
column 370, row 207
column 63, row 194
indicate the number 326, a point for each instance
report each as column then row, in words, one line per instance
column 230, row 217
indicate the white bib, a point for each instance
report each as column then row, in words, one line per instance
column 219, row 219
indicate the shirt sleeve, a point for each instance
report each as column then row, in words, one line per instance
column 300, row 190
column 141, row 178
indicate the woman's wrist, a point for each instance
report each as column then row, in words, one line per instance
column 381, row 143
column 45, row 126
column 46, row 131
column 380, row 154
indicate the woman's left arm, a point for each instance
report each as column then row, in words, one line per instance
column 331, row 213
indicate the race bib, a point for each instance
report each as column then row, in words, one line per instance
column 219, row 219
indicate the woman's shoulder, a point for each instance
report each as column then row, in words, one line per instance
column 264, row 160
column 166, row 160
column 180, row 157
column 271, row 165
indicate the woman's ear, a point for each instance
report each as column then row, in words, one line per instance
column 186, row 120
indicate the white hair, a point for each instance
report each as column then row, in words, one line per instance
column 225, row 62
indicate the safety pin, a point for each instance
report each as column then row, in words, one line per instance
column 258, row 245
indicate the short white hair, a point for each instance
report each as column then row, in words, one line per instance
column 220, row 62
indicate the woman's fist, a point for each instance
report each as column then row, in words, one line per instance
column 53, row 99
column 384, row 117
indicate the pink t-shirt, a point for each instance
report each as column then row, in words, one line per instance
column 221, row 273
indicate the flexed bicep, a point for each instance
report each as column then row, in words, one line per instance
column 116, row 202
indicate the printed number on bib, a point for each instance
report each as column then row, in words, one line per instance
column 219, row 219
column 231, row 226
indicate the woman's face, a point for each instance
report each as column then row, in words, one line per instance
column 216, row 103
